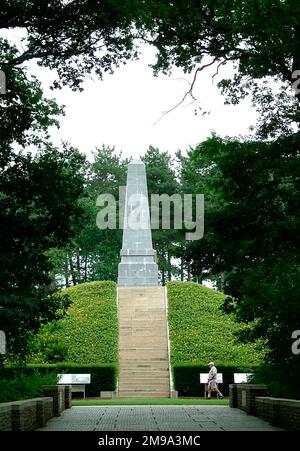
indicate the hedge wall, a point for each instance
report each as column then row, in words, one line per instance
column 187, row 377
column 103, row 377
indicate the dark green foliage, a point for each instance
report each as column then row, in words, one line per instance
column 75, row 38
column 187, row 377
column 38, row 204
column 17, row 384
column 252, row 240
column 38, row 207
column 54, row 351
column 103, row 377
column 282, row 379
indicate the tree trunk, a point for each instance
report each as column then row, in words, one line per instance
column 67, row 273
column 169, row 267
column 296, row 57
column 74, row 280
column 222, row 281
column 188, row 271
column 85, row 268
column 78, row 265
column 163, row 277
column 181, row 270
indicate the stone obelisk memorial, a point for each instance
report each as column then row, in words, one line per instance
column 138, row 266
column 143, row 333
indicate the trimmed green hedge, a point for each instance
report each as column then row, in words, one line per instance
column 200, row 331
column 187, row 377
column 89, row 331
column 103, row 377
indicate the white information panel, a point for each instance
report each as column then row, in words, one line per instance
column 241, row 378
column 74, row 379
column 204, row 377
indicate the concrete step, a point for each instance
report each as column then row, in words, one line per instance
column 145, row 374
column 154, row 330
column 142, row 342
column 140, row 332
column 141, row 345
column 149, row 385
column 144, row 363
column 131, row 366
column 144, row 353
column 143, row 394
column 144, row 369
column 143, row 387
column 149, row 389
column 135, row 357
column 163, row 380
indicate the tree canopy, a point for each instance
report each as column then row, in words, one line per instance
column 260, row 39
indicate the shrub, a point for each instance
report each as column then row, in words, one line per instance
column 282, row 380
column 89, row 331
column 103, row 377
column 187, row 377
column 16, row 384
column 200, row 330
column 54, row 351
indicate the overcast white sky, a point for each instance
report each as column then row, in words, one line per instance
column 122, row 109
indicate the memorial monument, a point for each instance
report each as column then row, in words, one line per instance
column 138, row 259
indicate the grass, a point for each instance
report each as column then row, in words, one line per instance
column 150, row 402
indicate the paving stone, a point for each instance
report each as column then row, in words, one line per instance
column 156, row 418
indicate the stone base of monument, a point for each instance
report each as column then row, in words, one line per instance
column 137, row 274
column 143, row 343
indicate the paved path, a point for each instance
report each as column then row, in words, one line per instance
column 156, row 418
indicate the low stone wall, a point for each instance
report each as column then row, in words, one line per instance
column 279, row 412
column 5, row 417
column 44, row 411
column 57, row 392
column 68, row 396
column 233, row 395
column 252, row 398
column 25, row 415
column 30, row 414
column 243, row 396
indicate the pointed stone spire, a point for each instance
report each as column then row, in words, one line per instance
column 138, row 264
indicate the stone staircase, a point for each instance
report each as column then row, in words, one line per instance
column 143, row 343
